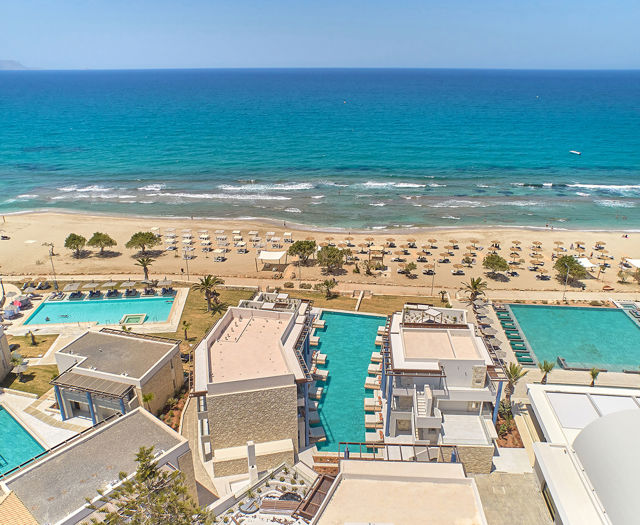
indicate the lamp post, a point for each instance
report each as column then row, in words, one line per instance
column 55, row 280
column 566, row 280
column 186, row 261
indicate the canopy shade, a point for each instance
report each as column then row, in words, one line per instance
column 90, row 286
column 71, row 287
column 634, row 262
column 586, row 263
column 165, row 282
column 110, row 284
column 271, row 256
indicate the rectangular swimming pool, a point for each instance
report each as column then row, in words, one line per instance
column 16, row 444
column 585, row 337
column 348, row 340
column 101, row 311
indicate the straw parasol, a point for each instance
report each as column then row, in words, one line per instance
column 328, row 238
column 323, row 244
column 468, row 254
column 349, row 238
column 537, row 243
column 309, row 238
column 369, row 239
column 489, row 331
column 458, row 265
column 444, row 254
column 516, row 242
column 411, row 239
column 558, row 243
column 453, row 241
column 432, row 240
column 430, row 266
column 474, row 241
column 542, row 270
column 495, row 241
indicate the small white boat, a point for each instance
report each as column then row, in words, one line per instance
column 574, row 152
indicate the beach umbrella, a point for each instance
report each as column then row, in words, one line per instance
column 110, row 284
column 328, row 238
column 489, row 331
column 479, row 302
column 430, row 266
column 186, row 230
column 91, row 286
column 468, row 254
column 391, row 239
column 559, row 243
column 309, row 238
column 474, row 241
column 542, row 270
column 398, row 252
column 323, row 244
column 29, row 289
column 71, row 287
column 219, row 231
column 411, row 239
column 453, row 241
column 495, row 241
column 457, row 265
column 448, row 247
column 444, row 254
column 369, row 239
column 432, row 240
column 600, row 243
column 516, row 242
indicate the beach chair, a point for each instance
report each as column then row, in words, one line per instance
column 374, row 369
column 372, row 383
column 315, row 392
column 319, row 374
column 374, row 437
column 318, row 358
column 373, row 404
column 376, row 357
column 316, row 434
column 373, row 420
column 525, row 360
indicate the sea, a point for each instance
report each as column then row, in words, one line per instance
column 334, row 148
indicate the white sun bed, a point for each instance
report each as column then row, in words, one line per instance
column 318, row 323
column 373, row 420
column 372, row 404
column 374, row 368
column 374, row 436
column 314, row 340
column 379, row 340
column 382, row 330
column 376, row 357
column 319, row 359
column 372, row 383
column 315, row 392
column 319, row 374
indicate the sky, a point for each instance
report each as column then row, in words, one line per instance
column 115, row 34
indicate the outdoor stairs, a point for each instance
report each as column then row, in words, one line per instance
column 327, row 463
column 421, row 408
column 308, row 326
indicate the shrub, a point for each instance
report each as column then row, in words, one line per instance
column 544, row 301
column 305, row 286
column 281, row 478
column 503, row 429
column 595, row 303
column 288, row 284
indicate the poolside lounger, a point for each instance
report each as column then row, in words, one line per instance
column 319, row 374
column 376, row 357
column 318, row 323
column 374, row 437
column 378, row 340
column 372, row 383
column 372, row 404
column 318, row 358
column 525, row 360
column 514, row 335
column 314, row 418
column 373, row 420
column 113, row 293
column 314, row 340
column 382, row 330
column 315, row 392
column 130, row 292
column 515, row 345
column 317, row 434
column 312, row 405
column 374, row 369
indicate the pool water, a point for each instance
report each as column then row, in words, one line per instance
column 16, row 444
column 348, row 340
column 585, row 337
column 102, row 311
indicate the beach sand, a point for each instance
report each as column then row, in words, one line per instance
column 24, row 253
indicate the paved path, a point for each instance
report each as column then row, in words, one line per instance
column 510, row 499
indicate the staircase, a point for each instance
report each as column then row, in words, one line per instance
column 308, row 324
column 326, row 464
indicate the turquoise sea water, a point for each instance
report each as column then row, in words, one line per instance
column 16, row 444
column 348, row 340
column 102, row 311
column 342, row 148
column 585, row 337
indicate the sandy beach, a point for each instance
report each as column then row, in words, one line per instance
column 24, row 253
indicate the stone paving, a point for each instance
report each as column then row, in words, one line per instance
column 512, row 498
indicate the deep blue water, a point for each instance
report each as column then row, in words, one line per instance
column 349, row 148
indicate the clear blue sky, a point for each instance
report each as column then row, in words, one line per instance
column 321, row 33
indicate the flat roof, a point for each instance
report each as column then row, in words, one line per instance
column 564, row 410
column 250, row 346
column 57, row 485
column 116, row 352
column 435, row 343
column 402, row 494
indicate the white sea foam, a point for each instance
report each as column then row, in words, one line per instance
column 522, row 204
column 27, row 196
column 376, row 184
column 293, row 210
column 225, row 196
column 621, row 189
column 450, row 217
column 289, row 186
column 517, row 183
column 153, row 187
column 378, row 227
column 458, row 203
column 582, row 194
column 547, row 184
column 378, row 204
column 482, row 185
column 417, row 205
column 318, row 197
column 93, row 188
column 611, row 203
column 436, row 185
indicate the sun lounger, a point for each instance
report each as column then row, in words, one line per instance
column 372, row 383
column 318, row 323
column 317, row 434
column 315, row 392
column 318, row 358
column 373, row 420
column 376, row 357
column 314, row 418
column 374, row 437
column 372, row 404
column 314, row 340
column 517, row 346
column 378, row 340
column 525, row 360
column 374, row 369
column 319, row 374
column 382, row 330
column 113, row 293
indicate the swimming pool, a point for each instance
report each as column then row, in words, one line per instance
column 348, row 341
column 585, row 337
column 16, row 444
column 102, row 311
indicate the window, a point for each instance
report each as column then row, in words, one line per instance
column 549, row 501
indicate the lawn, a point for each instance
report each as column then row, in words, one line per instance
column 387, row 304
column 337, row 302
column 195, row 313
column 26, row 349
column 35, row 380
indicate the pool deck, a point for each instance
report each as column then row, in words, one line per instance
column 18, row 328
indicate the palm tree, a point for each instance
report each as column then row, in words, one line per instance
column 545, row 367
column 147, row 398
column 17, row 362
column 594, row 375
column 218, row 308
column 443, row 296
column 145, row 262
column 475, row 287
column 185, row 326
column 126, row 328
column 514, row 374
column 328, row 285
column 32, row 337
column 207, row 286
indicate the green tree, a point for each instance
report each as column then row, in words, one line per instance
column 32, row 338
column 545, row 367
column 102, row 241
column 567, row 265
column 152, row 496
column 185, row 326
column 594, row 373
column 331, row 258
column 75, row 242
column 443, row 296
column 303, row 250
column 408, row 268
column 475, row 287
column 327, row 285
column 495, row 263
column 18, row 363
column 147, row 398
column 143, row 240
column 125, row 328
column 468, row 261
column 514, row 374
column 207, row 286
column 145, row 263
column 218, row 308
